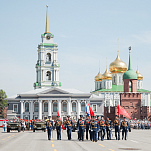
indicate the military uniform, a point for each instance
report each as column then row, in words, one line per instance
column 102, row 129
column 124, row 126
column 87, row 124
column 49, row 128
column 58, row 124
column 81, row 127
column 91, row 133
column 108, row 129
column 117, row 129
column 69, row 128
column 94, row 129
column 98, row 129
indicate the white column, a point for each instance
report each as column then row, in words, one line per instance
column 22, row 108
column 69, row 107
column 49, row 107
column 79, row 108
column 59, row 106
column 31, row 110
column 40, row 110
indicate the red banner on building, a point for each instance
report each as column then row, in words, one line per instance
column 122, row 111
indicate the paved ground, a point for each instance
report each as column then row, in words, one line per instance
column 29, row 141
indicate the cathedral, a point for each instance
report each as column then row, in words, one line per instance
column 111, row 86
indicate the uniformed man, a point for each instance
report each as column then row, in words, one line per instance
column 124, row 126
column 49, row 127
column 87, row 124
column 58, row 124
column 94, row 128
column 81, row 128
column 117, row 127
column 102, row 127
column 69, row 127
column 108, row 128
column 91, row 132
column 98, row 129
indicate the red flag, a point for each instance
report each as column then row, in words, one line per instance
column 58, row 114
column 122, row 111
column 63, row 127
column 91, row 111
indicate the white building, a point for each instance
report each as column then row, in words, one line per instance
column 48, row 96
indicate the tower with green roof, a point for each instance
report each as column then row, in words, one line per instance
column 130, row 77
column 47, row 67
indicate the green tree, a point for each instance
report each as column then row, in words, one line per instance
column 3, row 102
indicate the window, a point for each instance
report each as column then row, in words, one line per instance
column 100, row 86
column 55, row 107
column 48, row 75
column 83, row 107
column 48, row 58
column 45, row 107
column 26, row 107
column 114, row 79
column 94, row 107
column 15, row 107
column 64, row 106
column 120, row 81
column 74, row 107
column 36, row 106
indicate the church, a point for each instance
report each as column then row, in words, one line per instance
column 112, row 87
column 48, row 96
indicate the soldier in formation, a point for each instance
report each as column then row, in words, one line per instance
column 117, row 127
column 58, row 124
column 125, row 127
column 69, row 127
column 81, row 127
column 49, row 127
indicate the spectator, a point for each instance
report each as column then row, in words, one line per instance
column 4, row 126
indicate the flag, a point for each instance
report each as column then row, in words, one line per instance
column 88, row 110
column 63, row 127
column 58, row 114
column 91, row 111
column 122, row 111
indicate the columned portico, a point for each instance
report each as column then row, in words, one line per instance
column 49, row 108
column 59, row 106
column 79, row 108
column 22, row 109
column 40, row 109
column 69, row 107
column 31, row 110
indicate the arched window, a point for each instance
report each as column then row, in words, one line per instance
column 100, row 86
column 48, row 75
column 26, row 107
column 55, row 107
column 45, row 107
column 130, row 86
column 120, row 80
column 114, row 79
column 74, row 107
column 36, row 106
column 48, row 57
column 64, row 106
column 83, row 106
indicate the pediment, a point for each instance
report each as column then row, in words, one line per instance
column 55, row 91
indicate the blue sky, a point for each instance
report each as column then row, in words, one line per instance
column 86, row 31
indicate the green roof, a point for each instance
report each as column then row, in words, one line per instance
column 130, row 74
column 47, row 44
column 119, row 88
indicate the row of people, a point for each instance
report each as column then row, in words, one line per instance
column 95, row 128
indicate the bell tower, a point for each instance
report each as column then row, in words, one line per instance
column 47, row 66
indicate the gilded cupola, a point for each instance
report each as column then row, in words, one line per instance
column 98, row 77
column 118, row 66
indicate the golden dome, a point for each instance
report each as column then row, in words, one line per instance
column 98, row 77
column 107, row 75
column 118, row 66
column 139, row 75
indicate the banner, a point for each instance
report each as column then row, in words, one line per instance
column 122, row 111
column 91, row 111
column 58, row 114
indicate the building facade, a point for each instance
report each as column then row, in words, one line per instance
column 48, row 96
